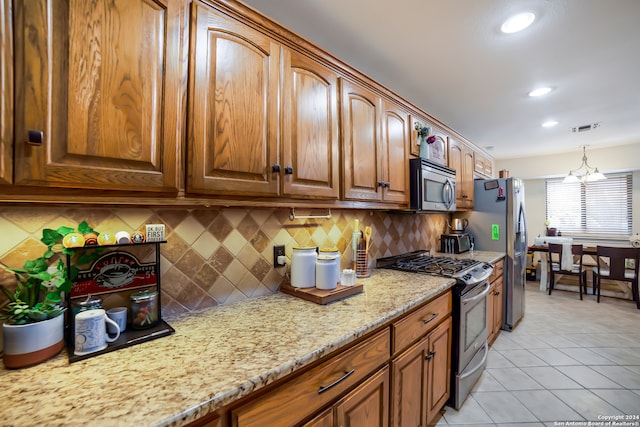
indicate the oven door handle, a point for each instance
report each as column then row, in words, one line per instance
column 480, row 365
column 481, row 295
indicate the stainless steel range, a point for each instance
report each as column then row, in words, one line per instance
column 469, row 312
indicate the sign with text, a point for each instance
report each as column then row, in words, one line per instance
column 114, row 271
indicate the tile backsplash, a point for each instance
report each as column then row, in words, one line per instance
column 219, row 255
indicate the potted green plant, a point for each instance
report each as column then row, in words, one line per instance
column 34, row 326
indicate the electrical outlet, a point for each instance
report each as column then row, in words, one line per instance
column 278, row 250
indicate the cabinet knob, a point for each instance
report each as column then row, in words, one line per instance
column 275, row 168
column 430, row 355
column 387, row 184
column 35, row 137
column 288, row 170
column 381, row 184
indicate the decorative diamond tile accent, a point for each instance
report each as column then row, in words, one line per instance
column 205, row 216
column 221, row 255
column 221, row 289
column 248, row 256
column 235, row 215
column 189, row 229
column 221, row 259
column 234, row 242
column 235, row 272
column 220, row 228
column 11, row 236
column 205, row 245
column 248, row 284
column 31, row 220
column 135, row 218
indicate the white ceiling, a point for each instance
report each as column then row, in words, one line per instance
column 449, row 58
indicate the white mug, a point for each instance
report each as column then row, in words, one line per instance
column 118, row 315
column 91, row 331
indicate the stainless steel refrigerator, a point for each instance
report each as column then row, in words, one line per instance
column 498, row 223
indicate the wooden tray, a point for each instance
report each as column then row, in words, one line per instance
column 320, row 296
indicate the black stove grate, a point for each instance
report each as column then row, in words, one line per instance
column 423, row 262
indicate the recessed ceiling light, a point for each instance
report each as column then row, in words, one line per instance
column 540, row 91
column 549, row 124
column 518, row 22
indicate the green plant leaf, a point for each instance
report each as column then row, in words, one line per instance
column 50, row 237
column 83, row 228
column 63, row 231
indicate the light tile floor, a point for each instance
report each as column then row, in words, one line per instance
column 567, row 360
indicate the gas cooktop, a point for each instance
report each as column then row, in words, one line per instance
column 464, row 270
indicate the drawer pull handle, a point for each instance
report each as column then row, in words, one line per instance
column 433, row 316
column 430, row 355
column 346, row 375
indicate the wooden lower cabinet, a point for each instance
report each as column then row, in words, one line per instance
column 325, row 419
column 367, row 405
column 495, row 307
column 399, row 376
column 420, row 379
column 295, row 400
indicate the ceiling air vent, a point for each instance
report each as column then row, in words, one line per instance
column 584, row 128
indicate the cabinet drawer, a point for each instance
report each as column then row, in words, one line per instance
column 293, row 401
column 498, row 269
column 420, row 322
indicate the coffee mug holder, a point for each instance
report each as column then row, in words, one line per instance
column 99, row 279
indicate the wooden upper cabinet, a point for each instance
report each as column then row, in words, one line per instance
column 483, row 165
column 6, row 94
column 233, row 107
column 396, row 139
column 437, row 151
column 310, row 145
column 98, row 94
column 362, row 174
column 462, row 160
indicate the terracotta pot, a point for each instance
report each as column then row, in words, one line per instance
column 27, row 345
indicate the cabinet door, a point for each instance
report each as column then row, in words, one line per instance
column 461, row 159
column 491, row 300
column 467, row 182
column 309, row 128
column 98, row 93
column 367, row 405
column 325, row 419
column 439, row 368
column 498, row 304
column 362, row 174
column 395, row 155
column 408, row 388
column 6, row 93
column 233, row 107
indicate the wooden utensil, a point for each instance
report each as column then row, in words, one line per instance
column 367, row 237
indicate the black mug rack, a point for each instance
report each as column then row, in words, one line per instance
column 94, row 280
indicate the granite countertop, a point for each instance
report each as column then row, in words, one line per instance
column 215, row 357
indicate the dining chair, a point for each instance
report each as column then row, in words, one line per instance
column 613, row 263
column 573, row 268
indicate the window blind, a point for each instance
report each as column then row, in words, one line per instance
column 594, row 209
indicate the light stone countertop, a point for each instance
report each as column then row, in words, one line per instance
column 215, row 357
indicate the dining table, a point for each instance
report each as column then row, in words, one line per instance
column 590, row 250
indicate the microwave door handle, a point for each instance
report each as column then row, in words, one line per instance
column 446, row 193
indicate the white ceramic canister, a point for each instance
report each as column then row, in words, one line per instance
column 303, row 267
column 334, row 252
column 326, row 273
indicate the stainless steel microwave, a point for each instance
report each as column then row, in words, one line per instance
column 432, row 186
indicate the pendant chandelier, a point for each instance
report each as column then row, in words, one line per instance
column 584, row 173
